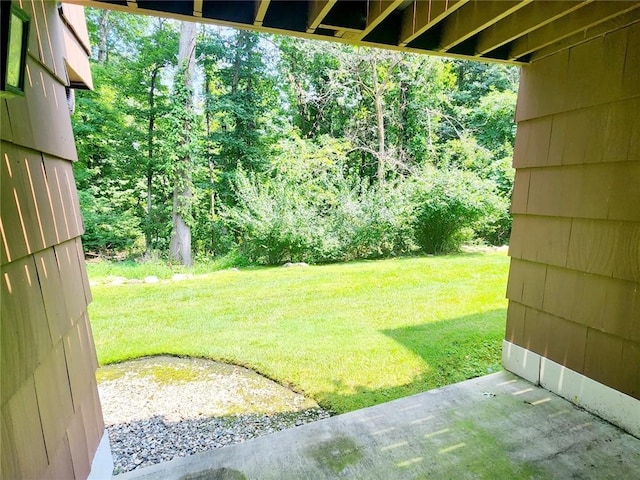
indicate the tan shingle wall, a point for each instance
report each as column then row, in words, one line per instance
column 51, row 418
column 574, row 283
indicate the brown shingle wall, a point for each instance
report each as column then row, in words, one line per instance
column 51, row 421
column 574, row 283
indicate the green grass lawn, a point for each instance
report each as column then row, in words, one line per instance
column 348, row 335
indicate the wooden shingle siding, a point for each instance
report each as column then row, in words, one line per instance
column 574, row 283
column 39, row 202
column 601, row 71
column 51, row 417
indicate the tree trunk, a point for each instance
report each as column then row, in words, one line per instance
column 378, row 101
column 152, row 120
column 402, row 121
column 180, row 245
column 103, row 30
column 209, row 149
column 236, row 61
column 430, row 147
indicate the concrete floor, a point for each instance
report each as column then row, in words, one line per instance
column 494, row 427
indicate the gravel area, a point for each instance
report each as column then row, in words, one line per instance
column 160, row 408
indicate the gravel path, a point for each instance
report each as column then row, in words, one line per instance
column 160, row 408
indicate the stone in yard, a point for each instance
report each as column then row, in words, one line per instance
column 151, row 279
column 297, row 264
column 181, row 276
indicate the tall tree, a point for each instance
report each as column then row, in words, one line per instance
column 103, row 30
column 373, row 77
column 240, row 107
column 115, row 34
column 157, row 51
column 180, row 245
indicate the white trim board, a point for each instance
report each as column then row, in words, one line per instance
column 606, row 402
column 102, row 465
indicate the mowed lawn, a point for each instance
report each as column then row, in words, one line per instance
column 349, row 335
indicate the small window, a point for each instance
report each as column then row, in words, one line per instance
column 14, row 32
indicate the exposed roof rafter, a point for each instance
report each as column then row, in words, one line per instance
column 586, row 17
column 378, row 10
column 533, row 16
column 197, row 8
column 614, row 23
column 261, row 11
column 421, row 15
column 318, row 9
column 510, row 31
column 473, row 18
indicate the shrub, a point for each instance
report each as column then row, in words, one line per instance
column 446, row 204
column 278, row 220
column 372, row 222
column 320, row 216
column 109, row 224
column 273, row 223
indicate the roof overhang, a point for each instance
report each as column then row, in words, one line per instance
column 519, row 31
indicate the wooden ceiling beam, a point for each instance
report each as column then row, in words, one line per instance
column 530, row 18
column 475, row 17
column 587, row 17
column 377, row 11
column 197, row 8
column 261, row 11
column 610, row 25
column 318, row 9
column 421, row 15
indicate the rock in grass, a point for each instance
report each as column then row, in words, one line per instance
column 181, row 276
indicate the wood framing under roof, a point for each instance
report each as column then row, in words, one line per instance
column 518, row 31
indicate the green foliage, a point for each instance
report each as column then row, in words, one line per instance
column 493, row 120
column 372, row 222
column 120, row 130
column 109, row 224
column 273, row 223
column 447, row 204
column 307, row 210
column 237, row 99
column 287, row 138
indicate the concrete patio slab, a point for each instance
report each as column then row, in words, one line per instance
column 494, row 427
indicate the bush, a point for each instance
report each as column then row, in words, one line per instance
column 372, row 222
column 109, row 224
column 495, row 229
column 446, row 204
column 277, row 221
column 308, row 211
column 273, row 223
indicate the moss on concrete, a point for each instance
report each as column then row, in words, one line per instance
column 108, row 374
column 336, row 454
column 489, row 458
column 169, row 374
